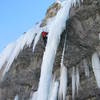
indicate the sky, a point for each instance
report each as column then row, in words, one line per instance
column 18, row 16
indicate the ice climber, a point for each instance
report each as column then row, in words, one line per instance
column 44, row 36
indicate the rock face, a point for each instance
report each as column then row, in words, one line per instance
column 83, row 30
column 51, row 12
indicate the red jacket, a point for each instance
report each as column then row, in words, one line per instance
column 44, row 34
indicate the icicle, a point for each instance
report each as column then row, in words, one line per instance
column 36, row 40
column 63, row 77
column 12, row 53
column 54, row 91
column 73, row 84
column 77, row 80
column 16, row 97
column 4, row 56
column 86, row 67
column 96, row 67
column 53, row 78
column 99, row 36
column 63, row 83
column 76, row 2
column 62, row 58
column 30, row 35
column 38, row 37
column 34, row 96
column 82, row 0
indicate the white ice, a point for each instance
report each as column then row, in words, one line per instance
column 63, row 83
column 62, row 58
column 77, row 80
column 16, row 97
column 63, row 77
column 4, row 56
column 96, row 67
column 36, row 40
column 55, row 30
column 54, row 91
column 12, row 50
column 73, row 83
column 34, row 96
column 86, row 67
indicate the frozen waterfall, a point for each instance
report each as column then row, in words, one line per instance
column 55, row 29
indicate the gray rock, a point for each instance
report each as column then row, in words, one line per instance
column 82, row 40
